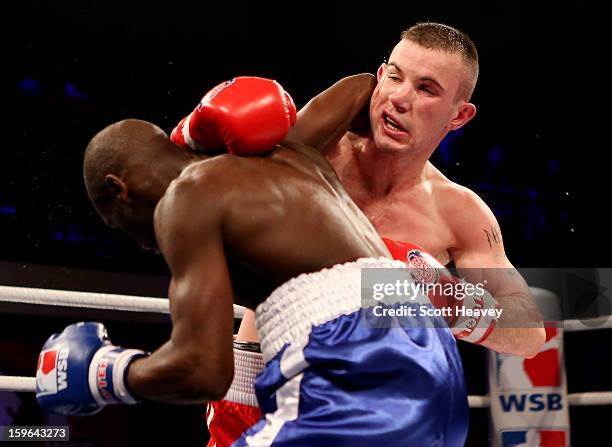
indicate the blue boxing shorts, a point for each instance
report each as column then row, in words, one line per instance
column 332, row 380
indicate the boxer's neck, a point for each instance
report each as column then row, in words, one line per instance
column 386, row 172
column 158, row 179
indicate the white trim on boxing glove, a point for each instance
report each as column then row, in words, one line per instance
column 476, row 329
column 120, row 370
column 109, row 367
column 193, row 144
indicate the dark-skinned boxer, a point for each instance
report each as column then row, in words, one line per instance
column 280, row 226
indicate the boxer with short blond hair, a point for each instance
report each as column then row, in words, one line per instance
column 421, row 94
column 276, row 233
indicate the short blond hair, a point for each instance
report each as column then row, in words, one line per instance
column 437, row 36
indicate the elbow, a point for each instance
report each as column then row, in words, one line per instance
column 209, row 382
column 214, row 389
column 363, row 85
column 203, row 391
column 367, row 80
column 536, row 338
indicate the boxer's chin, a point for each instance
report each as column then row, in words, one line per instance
column 391, row 143
column 390, row 138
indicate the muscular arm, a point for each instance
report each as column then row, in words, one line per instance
column 321, row 123
column 481, row 259
column 327, row 117
column 196, row 364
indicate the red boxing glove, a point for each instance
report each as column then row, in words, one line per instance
column 465, row 301
column 248, row 115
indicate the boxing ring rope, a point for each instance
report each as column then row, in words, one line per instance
column 588, row 324
column 575, row 399
column 18, row 384
column 128, row 303
column 90, row 300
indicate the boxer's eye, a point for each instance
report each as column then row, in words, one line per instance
column 427, row 90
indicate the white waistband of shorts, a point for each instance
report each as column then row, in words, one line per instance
column 247, row 365
column 310, row 299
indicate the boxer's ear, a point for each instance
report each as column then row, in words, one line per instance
column 381, row 70
column 465, row 112
column 117, row 187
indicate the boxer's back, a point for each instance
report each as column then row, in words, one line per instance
column 284, row 214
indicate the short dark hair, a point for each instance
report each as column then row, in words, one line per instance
column 437, row 36
column 113, row 150
column 103, row 154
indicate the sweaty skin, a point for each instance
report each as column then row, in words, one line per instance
column 339, row 108
column 387, row 172
column 225, row 222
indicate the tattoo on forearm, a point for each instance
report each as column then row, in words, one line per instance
column 493, row 236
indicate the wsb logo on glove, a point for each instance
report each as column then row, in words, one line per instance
column 79, row 371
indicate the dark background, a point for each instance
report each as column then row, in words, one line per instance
column 536, row 151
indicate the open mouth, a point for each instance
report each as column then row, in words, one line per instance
column 392, row 124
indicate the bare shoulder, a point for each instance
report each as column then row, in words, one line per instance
column 456, row 198
column 467, row 214
column 193, row 204
column 206, row 170
column 196, row 180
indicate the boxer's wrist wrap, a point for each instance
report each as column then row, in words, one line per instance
column 248, row 363
column 471, row 328
column 108, row 375
column 250, row 346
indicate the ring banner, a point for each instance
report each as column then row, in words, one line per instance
column 529, row 404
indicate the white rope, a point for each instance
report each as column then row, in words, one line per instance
column 593, row 398
column 478, row 401
column 18, row 384
column 574, row 399
column 129, row 303
column 28, row 385
column 587, row 324
column 90, row 300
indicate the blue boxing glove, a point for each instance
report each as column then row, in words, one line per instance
column 79, row 371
